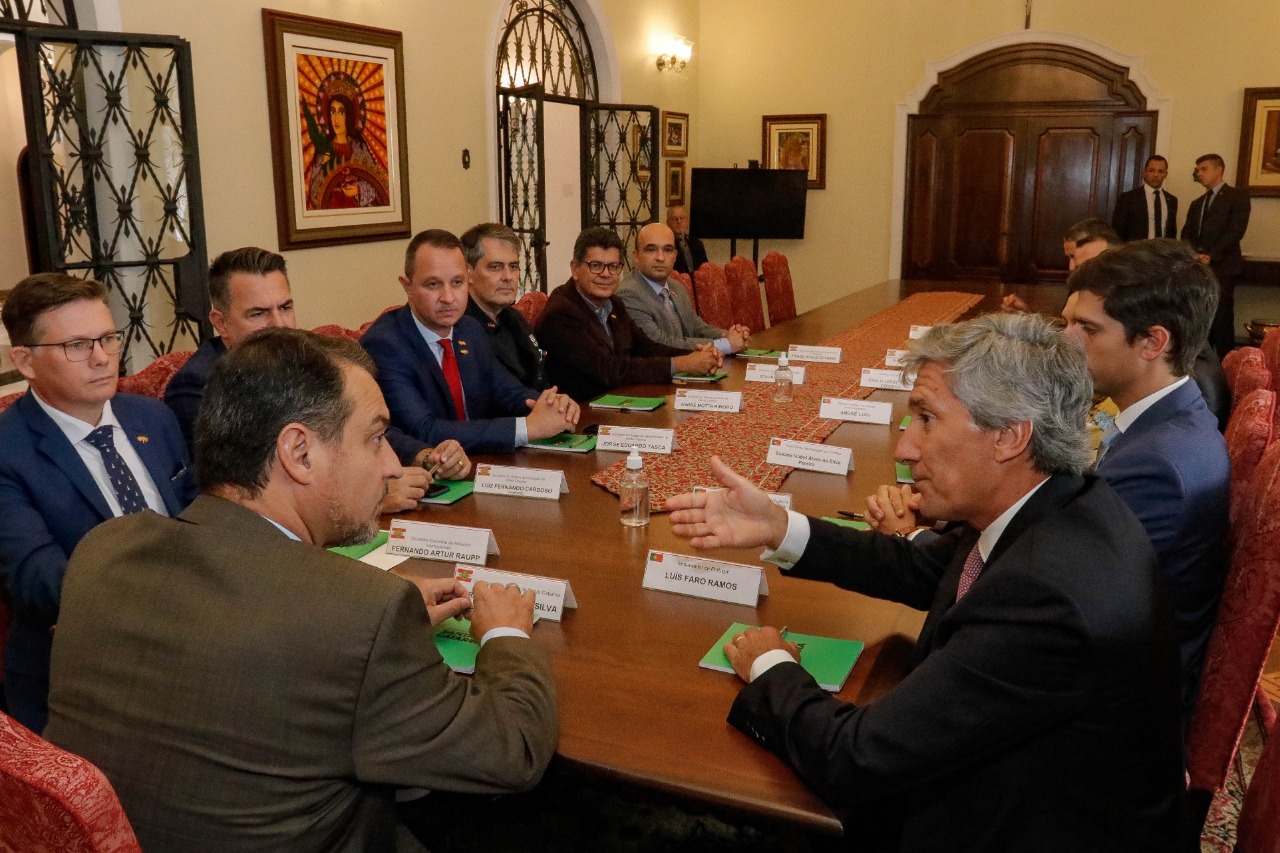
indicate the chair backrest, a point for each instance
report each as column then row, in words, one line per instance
column 684, row 279
column 1249, row 432
column 332, row 330
column 364, row 328
column 9, row 399
column 1258, row 829
column 56, row 802
column 744, row 293
column 530, row 305
column 154, row 378
column 1231, row 361
column 1242, row 634
column 779, row 292
column 714, row 303
column 1252, row 375
column 1271, row 350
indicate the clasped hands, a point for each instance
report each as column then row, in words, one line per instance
column 490, row 605
column 449, row 462
column 551, row 414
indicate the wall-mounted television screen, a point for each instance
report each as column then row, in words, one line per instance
column 748, row 203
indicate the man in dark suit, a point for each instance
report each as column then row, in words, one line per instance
column 1047, row 662
column 690, row 253
column 493, row 284
column 437, row 370
column 249, row 290
column 1215, row 225
column 1148, row 211
column 73, row 453
column 243, row 688
column 592, row 343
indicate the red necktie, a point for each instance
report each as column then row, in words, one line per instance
column 452, row 378
column 973, row 566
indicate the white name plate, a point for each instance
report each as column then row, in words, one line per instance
column 918, row 332
column 889, row 379
column 764, row 373
column 694, row 400
column 860, row 411
column 441, row 541
column 894, row 357
column 520, row 482
column 808, row 456
column 553, row 595
column 827, row 355
column 782, row 499
column 703, row 578
column 646, row 439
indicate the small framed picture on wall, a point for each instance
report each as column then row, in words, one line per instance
column 1258, row 170
column 675, row 183
column 675, row 134
column 797, row 142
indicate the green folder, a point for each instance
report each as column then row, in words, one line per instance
column 355, row 552
column 903, row 471
column 568, row 442
column 847, row 522
column 628, row 404
column 760, row 353
column 701, row 377
column 828, row 660
column 457, row 490
column 459, row 650
column 906, row 422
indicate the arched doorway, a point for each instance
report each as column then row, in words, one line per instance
column 1007, row 150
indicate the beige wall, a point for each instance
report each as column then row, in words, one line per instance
column 13, row 138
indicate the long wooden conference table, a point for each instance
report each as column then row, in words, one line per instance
column 634, row 704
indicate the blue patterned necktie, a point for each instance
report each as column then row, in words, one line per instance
column 1105, row 445
column 122, row 480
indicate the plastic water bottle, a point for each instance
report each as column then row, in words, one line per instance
column 782, row 381
column 633, row 492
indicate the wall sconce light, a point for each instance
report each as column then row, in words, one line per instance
column 676, row 57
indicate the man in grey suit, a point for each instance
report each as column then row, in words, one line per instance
column 660, row 307
column 244, row 689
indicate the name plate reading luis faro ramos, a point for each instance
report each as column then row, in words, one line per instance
column 703, row 578
column 448, row 542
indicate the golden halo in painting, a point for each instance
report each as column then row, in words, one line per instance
column 343, row 116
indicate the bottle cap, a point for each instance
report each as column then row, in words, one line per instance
column 634, row 461
column 782, row 360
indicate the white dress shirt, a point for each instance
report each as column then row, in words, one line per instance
column 1125, row 419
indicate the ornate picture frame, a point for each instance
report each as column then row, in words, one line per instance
column 675, row 134
column 676, row 183
column 1258, row 167
column 336, row 97
column 796, row 142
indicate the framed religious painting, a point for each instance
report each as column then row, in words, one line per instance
column 1258, row 169
column 797, row 142
column 641, row 165
column 675, row 183
column 675, row 134
column 336, row 96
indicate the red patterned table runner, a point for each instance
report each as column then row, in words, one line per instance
column 741, row 439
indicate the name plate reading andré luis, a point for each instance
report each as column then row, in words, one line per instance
column 553, row 595
column 918, row 332
column 859, row 411
column 894, row 357
column 694, row 400
column 764, row 373
column 889, row 379
column 448, row 542
column 703, row 578
column 520, row 482
column 644, row 439
column 809, row 456
column 827, row 355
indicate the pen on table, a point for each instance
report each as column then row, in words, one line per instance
column 431, row 472
column 848, row 513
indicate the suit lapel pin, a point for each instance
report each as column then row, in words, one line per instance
column 142, row 439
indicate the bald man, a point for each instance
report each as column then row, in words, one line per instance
column 690, row 253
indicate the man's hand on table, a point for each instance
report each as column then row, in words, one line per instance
column 494, row 606
column 444, row 597
column 1013, row 304
column 404, row 492
column 738, row 336
column 704, row 359
column 743, row 649
column 551, row 414
column 740, row 517
column 893, row 508
column 450, row 463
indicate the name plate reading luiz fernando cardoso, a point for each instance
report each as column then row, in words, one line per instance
column 553, row 595
column 448, row 542
column 697, row 576
column 808, row 456
column 520, row 482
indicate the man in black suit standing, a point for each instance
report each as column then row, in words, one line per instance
column 1148, row 211
column 690, row 253
column 1215, row 225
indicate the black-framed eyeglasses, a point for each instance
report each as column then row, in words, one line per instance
column 81, row 348
column 598, row 267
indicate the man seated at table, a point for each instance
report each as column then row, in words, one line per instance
column 249, row 290
column 1042, row 713
column 243, row 688
column 592, row 343
column 493, row 283
column 73, row 453
column 660, row 305
column 437, row 370
column 690, row 252
column 1140, row 312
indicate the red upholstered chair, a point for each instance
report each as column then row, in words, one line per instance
column 1258, row 829
column 1249, row 431
column 531, row 305
column 1271, row 350
column 1242, row 634
column 1253, row 374
column 9, row 399
column 56, row 802
column 744, row 293
column 684, row 279
column 331, row 330
column 360, row 332
column 152, row 379
column 714, row 303
column 1231, row 362
column 779, row 292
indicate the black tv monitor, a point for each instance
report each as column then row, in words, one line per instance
column 748, row 203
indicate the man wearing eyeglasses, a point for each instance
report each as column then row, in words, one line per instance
column 73, row 453
column 592, row 343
